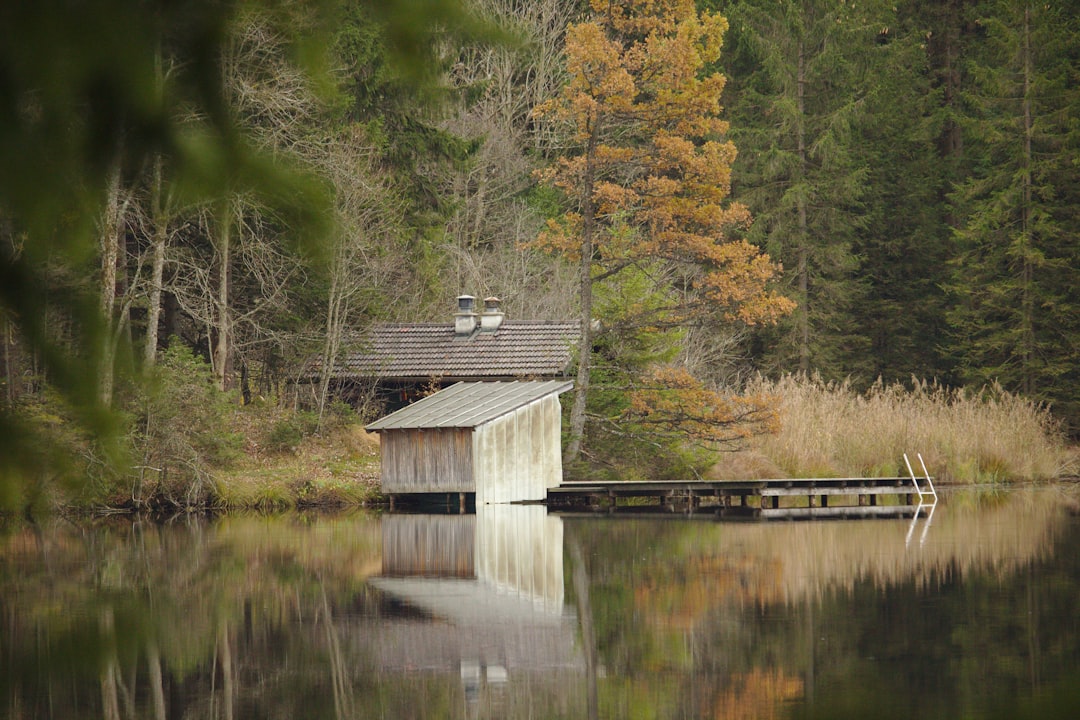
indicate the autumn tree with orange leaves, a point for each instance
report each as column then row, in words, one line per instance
column 646, row 176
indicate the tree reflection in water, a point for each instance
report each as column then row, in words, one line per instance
column 359, row 616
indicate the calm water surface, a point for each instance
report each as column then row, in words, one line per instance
column 513, row 613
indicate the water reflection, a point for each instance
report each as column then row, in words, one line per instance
column 513, row 613
column 928, row 499
column 843, row 619
column 925, row 515
column 485, row 593
column 510, row 551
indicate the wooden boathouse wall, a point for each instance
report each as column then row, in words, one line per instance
column 499, row 440
column 427, row 461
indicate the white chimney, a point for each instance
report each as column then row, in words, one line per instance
column 492, row 317
column 465, row 319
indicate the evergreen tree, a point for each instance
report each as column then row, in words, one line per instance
column 802, row 75
column 398, row 118
column 906, row 240
column 1015, row 315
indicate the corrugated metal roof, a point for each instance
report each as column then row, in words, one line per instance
column 469, row 404
column 427, row 350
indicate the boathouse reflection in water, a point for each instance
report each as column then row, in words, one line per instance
column 486, row 595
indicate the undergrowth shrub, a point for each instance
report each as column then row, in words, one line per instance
column 70, row 464
column 288, row 432
column 181, row 431
column 988, row 435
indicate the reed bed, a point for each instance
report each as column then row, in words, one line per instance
column 829, row 429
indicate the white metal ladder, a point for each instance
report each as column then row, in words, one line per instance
column 927, row 499
column 922, row 490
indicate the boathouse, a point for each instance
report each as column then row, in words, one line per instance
column 499, row 440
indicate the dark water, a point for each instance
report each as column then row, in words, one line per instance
column 513, row 613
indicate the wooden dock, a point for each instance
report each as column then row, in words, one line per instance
column 793, row 498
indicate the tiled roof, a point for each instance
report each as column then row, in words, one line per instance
column 469, row 404
column 427, row 350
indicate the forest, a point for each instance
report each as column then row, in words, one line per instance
column 198, row 198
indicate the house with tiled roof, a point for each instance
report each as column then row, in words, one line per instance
column 400, row 362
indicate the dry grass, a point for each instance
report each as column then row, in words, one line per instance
column 830, row 430
column 338, row 468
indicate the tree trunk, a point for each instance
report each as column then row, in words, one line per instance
column 110, row 699
column 580, row 578
column 110, row 253
column 160, row 237
column 7, row 237
column 221, row 302
column 945, row 47
column 228, row 684
column 804, row 240
column 584, row 369
column 157, row 690
column 336, row 312
column 9, row 372
column 953, row 139
column 344, row 705
column 245, row 382
column 1027, row 305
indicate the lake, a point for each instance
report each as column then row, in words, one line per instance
column 516, row 613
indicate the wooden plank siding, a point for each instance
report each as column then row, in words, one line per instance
column 427, row 461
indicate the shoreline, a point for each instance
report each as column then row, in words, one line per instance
column 370, row 498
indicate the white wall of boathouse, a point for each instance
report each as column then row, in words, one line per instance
column 518, row 456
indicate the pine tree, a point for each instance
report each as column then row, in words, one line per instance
column 1015, row 314
column 799, row 106
column 904, row 244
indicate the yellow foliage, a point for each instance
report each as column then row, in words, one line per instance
column 670, row 398
column 642, row 17
column 677, row 596
column 653, row 158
